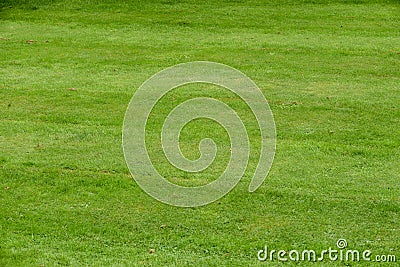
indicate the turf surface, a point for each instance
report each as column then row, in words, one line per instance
column 330, row 71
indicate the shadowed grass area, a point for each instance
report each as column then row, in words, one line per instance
column 329, row 70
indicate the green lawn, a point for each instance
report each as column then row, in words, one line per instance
column 330, row 71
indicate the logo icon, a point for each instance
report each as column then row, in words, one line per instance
column 145, row 99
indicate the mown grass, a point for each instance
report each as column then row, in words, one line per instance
column 329, row 69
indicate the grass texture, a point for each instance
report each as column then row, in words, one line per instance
column 330, row 71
